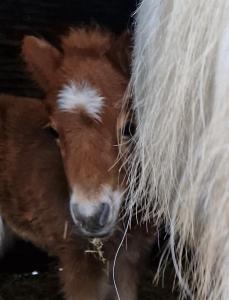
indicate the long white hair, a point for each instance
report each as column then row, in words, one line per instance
column 180, row 164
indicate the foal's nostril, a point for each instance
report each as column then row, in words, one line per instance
column 104, row 214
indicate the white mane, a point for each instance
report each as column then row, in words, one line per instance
column 180, row 87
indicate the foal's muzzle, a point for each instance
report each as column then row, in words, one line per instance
column 95, row 224
column 95, row 217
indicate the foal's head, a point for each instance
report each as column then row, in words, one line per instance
column 84, row 83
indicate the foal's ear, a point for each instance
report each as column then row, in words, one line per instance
column 120, row 52
column 42, row 60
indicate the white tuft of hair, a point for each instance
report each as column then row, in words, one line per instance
column 82, row 95
column 180, row 86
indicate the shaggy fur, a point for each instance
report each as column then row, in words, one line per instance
column 38, row 179
column 180, row 87
column 34, row 202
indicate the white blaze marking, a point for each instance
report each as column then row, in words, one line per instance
column 81, row 95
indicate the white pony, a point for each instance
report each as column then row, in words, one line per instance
column 180, row 165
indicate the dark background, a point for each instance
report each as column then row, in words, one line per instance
column 49, row 18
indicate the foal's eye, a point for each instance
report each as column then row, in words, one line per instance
column 129, row 129
column 51, row 131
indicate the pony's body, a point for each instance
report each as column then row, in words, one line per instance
column 25, row 145
column 34, row 203
column 180, row 83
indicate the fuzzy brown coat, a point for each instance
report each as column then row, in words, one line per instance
column 34, row 203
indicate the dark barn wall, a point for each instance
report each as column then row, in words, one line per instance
column 47, row 18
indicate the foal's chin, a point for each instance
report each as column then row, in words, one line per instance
column 103, row 234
